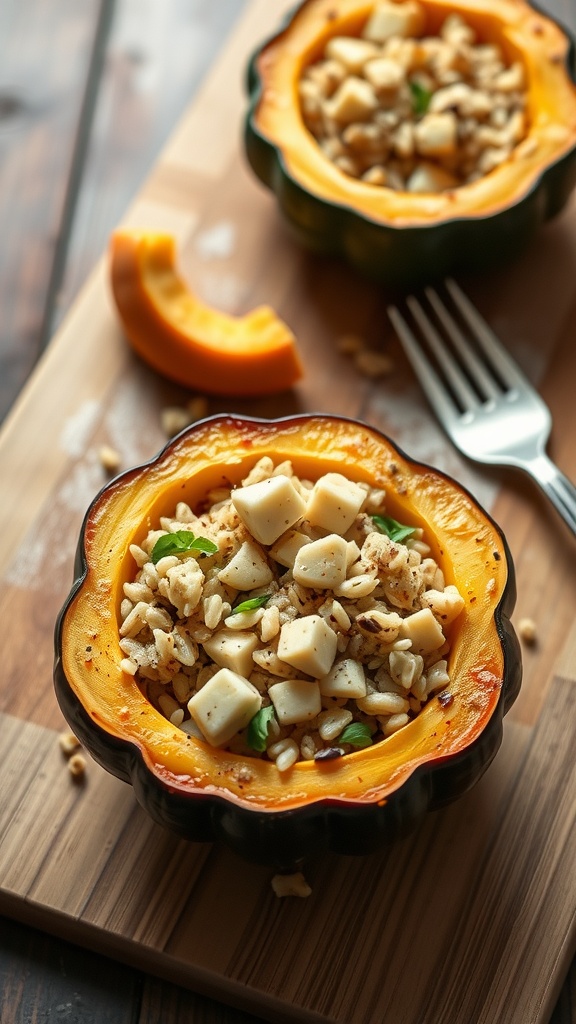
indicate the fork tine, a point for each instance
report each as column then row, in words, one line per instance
column 433, row 387
column 479, row 374
column 509, row 373
column 452, row 372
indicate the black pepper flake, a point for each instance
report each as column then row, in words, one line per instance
column 369, row 625
column 496, row 556
column 445, row 699
column 330, row 754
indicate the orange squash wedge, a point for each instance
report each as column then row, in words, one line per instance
column 186, row 340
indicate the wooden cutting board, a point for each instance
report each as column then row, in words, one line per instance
column 471, row 919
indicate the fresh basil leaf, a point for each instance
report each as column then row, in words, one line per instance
column 357, row 734
column 251, row 603
column 393, row 529
column 180, row 543
column 257, row 734
column 420, row 98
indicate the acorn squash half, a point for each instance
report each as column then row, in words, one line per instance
column 399, row 237
column 353, row 804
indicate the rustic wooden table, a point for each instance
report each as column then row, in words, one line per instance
column 88, row 94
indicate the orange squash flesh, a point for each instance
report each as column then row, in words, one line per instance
column 186, row 340
column 465, row 541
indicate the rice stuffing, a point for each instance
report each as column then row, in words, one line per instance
column 288, row 619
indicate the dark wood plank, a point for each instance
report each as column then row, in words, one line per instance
column 157, row 57
column 45, row 48
column 44, row 979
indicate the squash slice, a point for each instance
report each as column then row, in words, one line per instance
column 188, row 341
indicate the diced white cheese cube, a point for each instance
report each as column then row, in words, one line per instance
column 287, row 547
column 436, row 134
column 345, row 679
column 322, row 563
column 269, row 507
column 423, row 630
column 334, row 503
column 233, row 649
column 428, row 177
column 352, row 53
column 224, row 706
column 248, row 569
column 391, row 18
column 308, row 644
column 354, row 100
column 385, row 75
column 295, row 700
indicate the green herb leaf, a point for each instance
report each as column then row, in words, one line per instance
column 251, row 603
column 258, row 729
column 393, row 529
column 357, row 734
column 420, row 98
column 180, row 543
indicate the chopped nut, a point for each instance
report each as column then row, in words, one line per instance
column 109, row 458
column 373, row 364
column 174, row 419
column 68, row 743
column 291, row 885
column 197, row 407
column 77, row 766
column 349, row 344
column 527, row 631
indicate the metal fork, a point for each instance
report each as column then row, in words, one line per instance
column 486, row 405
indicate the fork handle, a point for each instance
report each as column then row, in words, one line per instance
column 559, row 489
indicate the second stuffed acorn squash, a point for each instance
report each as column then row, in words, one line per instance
column 399, row 236
column 352, row 804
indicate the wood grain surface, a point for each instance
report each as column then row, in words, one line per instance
column 472, row 918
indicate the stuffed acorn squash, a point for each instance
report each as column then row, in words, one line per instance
column 415, row 137
column 371, row 778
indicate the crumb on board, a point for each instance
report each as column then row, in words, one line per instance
column 197, row 407
column 367, row 361
column 70, row 746
column 77, row 766
column 109, row 458
column 527, row 630
column 175, row 418
column 373, row 364
column 350, row 344
column 68, row 743
column 291, row 885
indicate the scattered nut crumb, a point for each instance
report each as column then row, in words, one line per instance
column 350, row 344
column 109, row 458
column 291, row 885
column 77, row 766
column 197, row 407
column 174, row 419
column 527, row 631
column 68, row 743
column 373, row 364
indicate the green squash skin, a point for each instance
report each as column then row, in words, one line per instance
column 284, row 839
column 406, row 257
